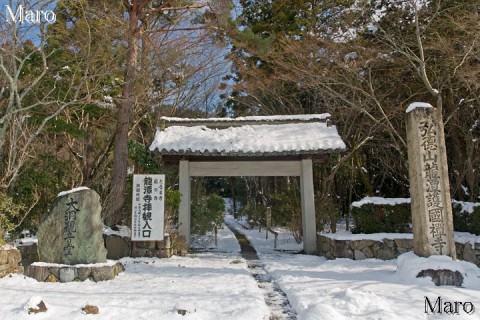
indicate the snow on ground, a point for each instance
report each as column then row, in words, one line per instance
column 217, row 285
column 208, row 286
column 368, row 289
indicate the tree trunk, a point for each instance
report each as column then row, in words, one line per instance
column 116, row 199
column 88, row 154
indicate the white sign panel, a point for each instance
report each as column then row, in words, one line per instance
column 148, row 207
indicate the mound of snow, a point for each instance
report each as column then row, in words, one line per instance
column 409, row 265
column 349, row 304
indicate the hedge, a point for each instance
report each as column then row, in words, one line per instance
column 466, row 217
column 372, row 215
column 375, row 215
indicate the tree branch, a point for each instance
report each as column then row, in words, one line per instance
column 190, row 7
column 182, row 29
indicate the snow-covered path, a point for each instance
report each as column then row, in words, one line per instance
column 344, row 289
column 218, row 284
column 211, row 285
column 275, row 298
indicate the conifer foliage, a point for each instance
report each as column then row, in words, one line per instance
column 364, row 62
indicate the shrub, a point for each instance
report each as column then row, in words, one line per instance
column 466, row 217
column 9, row 212
column 39, row 184
column 172, row 205
column 286, row 211
column 327, row 213
column 373, row 217
column 206, row 213
column 252, row 212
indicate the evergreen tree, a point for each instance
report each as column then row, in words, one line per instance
column 148, row 22
column 362, row 62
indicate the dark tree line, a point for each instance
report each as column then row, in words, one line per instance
column 80, row 100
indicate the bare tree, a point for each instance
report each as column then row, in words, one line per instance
column 30, row 92
column 415, row 51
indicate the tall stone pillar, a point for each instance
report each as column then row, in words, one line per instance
column 429, row 186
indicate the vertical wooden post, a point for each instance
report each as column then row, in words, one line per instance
column 268, row 217
column 268, row 221
column 133, row 252
column 308, row 208
column 184, row 212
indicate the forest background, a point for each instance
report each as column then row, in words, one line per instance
column 81, row 98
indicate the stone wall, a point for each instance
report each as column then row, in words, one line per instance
column 362, row 249
column 468, row 252
column 385, row 249
column 29, row 253
column 151, row 249
column 60, row 273
column 10, row 261
column 119, row 247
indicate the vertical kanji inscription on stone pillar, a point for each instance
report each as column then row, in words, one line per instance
column 429, row 186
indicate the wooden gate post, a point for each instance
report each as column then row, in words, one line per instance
column 184, row 212
column 308, row 208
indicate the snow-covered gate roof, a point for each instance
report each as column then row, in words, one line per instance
column 278, row 137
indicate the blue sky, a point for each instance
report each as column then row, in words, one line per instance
column 29, row 30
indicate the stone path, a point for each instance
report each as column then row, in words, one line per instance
column 275, row 298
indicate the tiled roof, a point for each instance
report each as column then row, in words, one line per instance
column 301, row 138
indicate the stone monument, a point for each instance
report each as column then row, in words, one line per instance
column 429, row 186
column 71, row 232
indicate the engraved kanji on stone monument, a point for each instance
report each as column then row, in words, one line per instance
column 429, row 186
column 69, row 226
column 433, row 195
column 71, row 232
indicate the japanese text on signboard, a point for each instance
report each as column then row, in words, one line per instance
column 148, row 207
